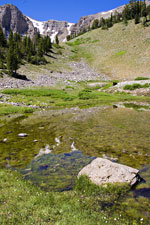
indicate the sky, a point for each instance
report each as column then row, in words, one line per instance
column 63, row 10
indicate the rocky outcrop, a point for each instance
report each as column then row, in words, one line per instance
column 12, row 18
column 53, row 28
column 87, row 21
column 103, row 171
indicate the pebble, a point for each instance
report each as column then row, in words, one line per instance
column 22, row 135
column 5, row 140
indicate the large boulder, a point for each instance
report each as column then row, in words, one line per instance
column 103, row 171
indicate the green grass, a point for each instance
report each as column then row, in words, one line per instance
column 53, row 93
column 79, row 41
column 80, row 95
column 122, row 52
column 23, row 203
column 9, row 109
column 135, row 86
column 142, row 78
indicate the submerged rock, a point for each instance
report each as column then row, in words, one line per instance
column 22, row 135
column 103, row 171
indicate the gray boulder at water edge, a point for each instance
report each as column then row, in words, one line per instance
column 103, row 171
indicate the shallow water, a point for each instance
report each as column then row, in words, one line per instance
column 120, row 134
column 56, row 172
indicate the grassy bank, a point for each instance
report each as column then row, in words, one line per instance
column 80, row 95
column 122, row 52
column 86, row 204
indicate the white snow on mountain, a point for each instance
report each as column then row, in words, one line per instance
column 53, row 36
column 38, row 24
column 69, row 28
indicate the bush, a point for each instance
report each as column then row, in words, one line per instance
column 37, row 60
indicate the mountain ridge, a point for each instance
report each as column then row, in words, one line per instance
column 12, row 18
column 16, row 19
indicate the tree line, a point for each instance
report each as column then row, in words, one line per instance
column 137, row 10
column 17, row 49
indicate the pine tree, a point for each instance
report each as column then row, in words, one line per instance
column 3, row 41
column 10, row 39
column 57, row 40
column 40, row 48
column 137, row 19
column 95, row 24
column 102, row 23
column 10, row 57
column 144, row 10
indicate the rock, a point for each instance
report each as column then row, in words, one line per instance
column 12, row 18
column 22, row 135
column 102, row 171
column 5, row 140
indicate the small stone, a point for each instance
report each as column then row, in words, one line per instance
column 5, row 139
column 22, row 135
column 35, row 141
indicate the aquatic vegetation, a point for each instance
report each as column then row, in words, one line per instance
column 56, row 172
column 9, row 109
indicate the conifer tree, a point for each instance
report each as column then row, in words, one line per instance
column 95, row 24
column 144, row 10
column 3, row 41
column 137, row 19
column 57, row 40
column 10, row 39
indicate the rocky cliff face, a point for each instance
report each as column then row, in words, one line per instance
column 53, row 28
column 87, row 21
column 12, row 18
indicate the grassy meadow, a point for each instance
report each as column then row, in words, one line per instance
column 122, row 52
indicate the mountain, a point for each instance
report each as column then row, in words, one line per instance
column 12, row 18
column 53, row 28
column 87, row 21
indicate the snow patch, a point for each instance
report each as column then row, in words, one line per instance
column 69, row 30
column 103, row 13
column 53, row 36
column 38, row 24
column 110, row 11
